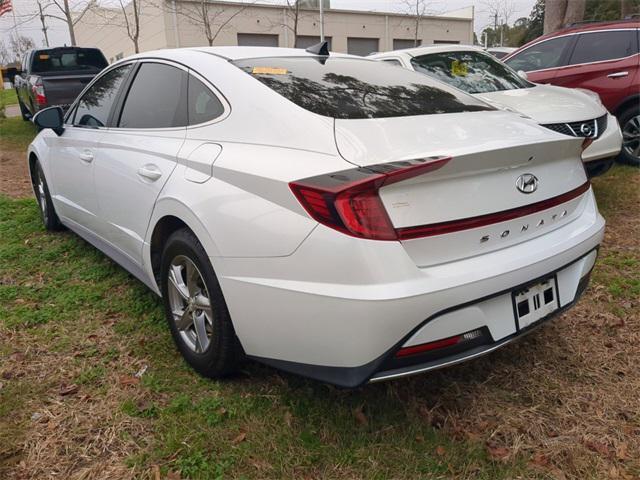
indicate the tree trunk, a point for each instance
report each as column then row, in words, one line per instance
column 625, row 8
column 575, row 12
column 67, row 14
column 554, row 12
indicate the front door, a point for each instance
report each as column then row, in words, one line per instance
column 139, row 153
column 73, row 153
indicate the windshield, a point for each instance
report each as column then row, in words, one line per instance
column 473, row 72
column 65, row 60
column 349, row 88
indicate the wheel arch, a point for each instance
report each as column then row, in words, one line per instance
column 169, row 216
column 626, row 103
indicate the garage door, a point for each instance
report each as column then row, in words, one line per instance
column 362, row 46
column 257, row 40
column 399, row 43
column 305, row 41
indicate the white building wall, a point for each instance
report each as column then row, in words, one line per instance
column 105, row 28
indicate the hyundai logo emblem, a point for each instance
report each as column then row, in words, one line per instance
column 527, row 183
column 586, row 129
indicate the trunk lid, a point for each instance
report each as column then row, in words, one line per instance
column 490, row 151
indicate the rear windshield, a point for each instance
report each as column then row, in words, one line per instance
column 66, row 60
column 348, row 88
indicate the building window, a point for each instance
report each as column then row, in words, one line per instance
column 257, row 40
column 453, row 42
column 400, row 43
column 362, row 46
column 305, row 41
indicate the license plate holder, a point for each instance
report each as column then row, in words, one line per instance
column 535, row 302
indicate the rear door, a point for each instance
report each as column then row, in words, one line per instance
column 139, row 152
column 603, row 61
column 542, row 60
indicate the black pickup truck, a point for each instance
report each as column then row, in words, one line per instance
column 55, row 77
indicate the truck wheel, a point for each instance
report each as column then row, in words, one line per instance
column 630, row 126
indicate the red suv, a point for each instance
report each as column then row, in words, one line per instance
column 603, row 57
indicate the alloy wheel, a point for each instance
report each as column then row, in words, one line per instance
column 190, row 304
column 42, row 196
column 631, row 136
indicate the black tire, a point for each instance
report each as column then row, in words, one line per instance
column 598, row 167
column 224, row 353
column 24, row 112
column 629, row 123
column 48, row 213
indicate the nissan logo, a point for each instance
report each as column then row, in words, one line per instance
column 586, row 129
column 527, row 183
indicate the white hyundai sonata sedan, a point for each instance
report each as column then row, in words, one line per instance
column 329, row 215
column 574, row 112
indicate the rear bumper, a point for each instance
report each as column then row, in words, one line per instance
column 608, row 145
column 339, row 307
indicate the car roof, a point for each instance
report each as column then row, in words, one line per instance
column 234, row 53
column 417, row 51
column 583, row 27
column 501, row 49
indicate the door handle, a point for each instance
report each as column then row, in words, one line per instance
column 618, row 74
column 150, row 172
column 86, row 156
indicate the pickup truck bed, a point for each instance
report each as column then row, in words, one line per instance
column 55, row 77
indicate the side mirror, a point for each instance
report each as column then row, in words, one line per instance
column 52, row 117
column 523, row 74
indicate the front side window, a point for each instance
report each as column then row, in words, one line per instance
column 546, row 54
column 600, row 46
column 472, row 72
column 156, row 99
column 357, row 88
column 94, row 106
column 203, row 104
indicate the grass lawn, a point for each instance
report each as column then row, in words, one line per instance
column 75, row 329
column 16, row 134
column 8, row 96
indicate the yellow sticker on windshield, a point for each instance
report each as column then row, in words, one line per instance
column 43, row 57
column 269, row 71
column 458, row 68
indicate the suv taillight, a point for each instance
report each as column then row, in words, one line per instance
column 348, row 200
column 38, row 91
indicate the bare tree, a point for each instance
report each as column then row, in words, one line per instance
column 19, row 45
column 292, row 19
column 418, row 9
column 132, row 22
column 69, row 16
column 501, row 11
column 211, row 17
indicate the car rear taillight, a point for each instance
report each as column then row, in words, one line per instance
column 439, row 344
column 348, row 201
column 38, row 92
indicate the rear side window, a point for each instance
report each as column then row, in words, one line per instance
column 546, row 54
column 156, row 99
column 203, row 104
column 600, row 46
column 353, row 88
column 94, row 106
column 68, row 60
